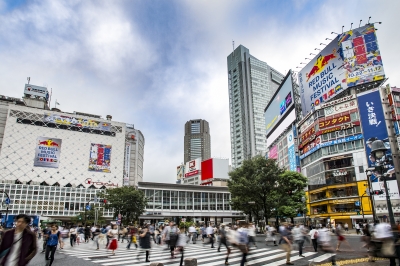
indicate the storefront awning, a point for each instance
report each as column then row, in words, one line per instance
column 369, row 216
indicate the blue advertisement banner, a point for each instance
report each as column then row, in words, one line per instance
column 330, row 143
column 396, row 127
column 11, row 220
column 374, row 128
column 291, row 151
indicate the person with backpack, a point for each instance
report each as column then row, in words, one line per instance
column 20, row 243
column 81, row 233
column 314, row 238
column 53, row 239
column 223, row 239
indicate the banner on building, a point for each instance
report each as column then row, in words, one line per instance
column 127, row 163
column 374, row 128
column 100, row 158
column 76, row 122
column 393, row 190
column 291, row 151
column 47, row 152
column 273, row 152
column 352, row 58
column 340, row 108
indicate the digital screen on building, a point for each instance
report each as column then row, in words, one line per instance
column 352, row 58
column 280, row 104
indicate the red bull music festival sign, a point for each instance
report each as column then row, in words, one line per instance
column 47, row 152
column 351, row 59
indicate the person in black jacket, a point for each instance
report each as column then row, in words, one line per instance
column 144, row 242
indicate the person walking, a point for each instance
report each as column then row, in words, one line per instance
column 210, row 234
column 341, row 238
column 113, row 235
column 203, row 232
column 81, row 233
column 96, row 235
column 192, row 233
column 324, row 241
column 346, row 227
column 298, row 238
column 72, row 236
column 173, row 239
column 357, row 228
column 251, row 231
column 314, row 238
column 53, row 239
column 144, row 243
column 20, row 243
column 243, row 240
column 271, row 235
column 46, row 231
column 223, row 240
column 87, row 234
column 285, row 242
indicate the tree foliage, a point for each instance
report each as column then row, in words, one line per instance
column 261, row 188
column 127, row 201
column 90, row 216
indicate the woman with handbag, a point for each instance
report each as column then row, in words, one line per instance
column 18, row 246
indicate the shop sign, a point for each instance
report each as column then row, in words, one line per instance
column 334, row 121
column 343, row 107
column 339, row 173
column 341, row 127
column 307, row 134
column 340, row 201
column 338, row 101
column 306, row 124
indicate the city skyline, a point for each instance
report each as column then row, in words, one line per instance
column 146, row 63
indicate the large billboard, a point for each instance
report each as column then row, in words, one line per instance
column 76, row 122
column 280, row 104
column 36, row 91
column 47, row 152
column 291, row 151
column 352, row 58
column 374, row 128
column 193, row 167
column 100, row 158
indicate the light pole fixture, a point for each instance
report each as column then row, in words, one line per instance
column 334, row 33
column 328, row 39
column 322, row 44
column 312, row 54
column 307, row 58
column 317, row 49
column 378, row 150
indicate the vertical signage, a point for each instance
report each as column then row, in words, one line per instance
column 47, row 152
column 374, row 128
column 291, row 151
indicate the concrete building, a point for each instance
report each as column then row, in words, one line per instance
column 52, row 162
column 201, row 203
column 251, row 83
column 197, row 140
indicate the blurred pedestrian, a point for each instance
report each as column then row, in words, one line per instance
column 298, row 238
column 72, row 236
column 340, row 236
column 324, row 241
column 113, row 235
column 144, row 243
column 314, row 238
column 96, row 236
column 285, row 241
column 53, row 239
column 210, row 234
column 181, row 243
column 20, row 243
column 192, row 234
column 242, row 244
column 251, row 231
column 223, row 240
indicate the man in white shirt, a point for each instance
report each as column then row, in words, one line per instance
column 192, row 234
column 251, row 232
column 210, row 234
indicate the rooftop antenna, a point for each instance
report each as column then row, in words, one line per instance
column 360, row 23
column 342, row 28
column 233, row 45
column 368, row 20
column 351, row 26
column 29, row 79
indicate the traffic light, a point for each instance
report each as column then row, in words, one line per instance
column 378, row 192
column 104, row 201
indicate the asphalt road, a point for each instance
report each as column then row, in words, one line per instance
column 353, row 250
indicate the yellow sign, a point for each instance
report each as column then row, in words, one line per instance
column 343, row 201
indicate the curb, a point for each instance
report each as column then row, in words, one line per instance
column 347, row 261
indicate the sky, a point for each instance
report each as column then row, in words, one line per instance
column 158, row 64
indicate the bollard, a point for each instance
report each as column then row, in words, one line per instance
column 190, row 262
column 156, row 264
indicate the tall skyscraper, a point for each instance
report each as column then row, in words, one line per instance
column 251, row 85
column 197, row 140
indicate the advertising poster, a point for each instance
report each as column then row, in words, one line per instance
column 11, row 222
column 374, row 128
column 280, row 103
column 100, row 158
column 393, row 190
column 76, row 122
column 273, row 152
column 47, row 152
column 291, row 151
column 352, row 58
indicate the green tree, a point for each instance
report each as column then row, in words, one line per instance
column 291, row 190
column 90, row 216
column 253, row 186
column 126, row 200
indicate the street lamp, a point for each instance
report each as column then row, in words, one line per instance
column 378, row 150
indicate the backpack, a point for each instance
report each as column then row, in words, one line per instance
column 315, row 234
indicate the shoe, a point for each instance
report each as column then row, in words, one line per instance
column 289, row 263
column 219, row 250
column 226, row 263
column 302, row 256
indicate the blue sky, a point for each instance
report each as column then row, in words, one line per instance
column 158, row 64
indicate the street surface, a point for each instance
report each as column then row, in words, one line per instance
column 86, row 254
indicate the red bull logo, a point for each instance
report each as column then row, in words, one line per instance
column 49, row 143
column 319, row 65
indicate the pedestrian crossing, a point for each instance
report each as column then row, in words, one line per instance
column 205, row 255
